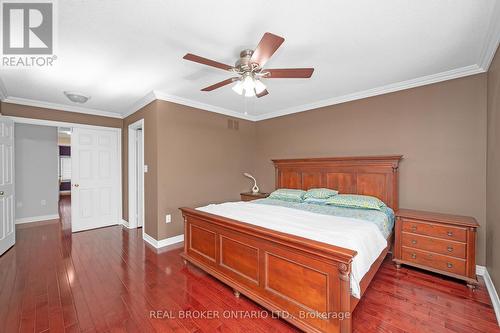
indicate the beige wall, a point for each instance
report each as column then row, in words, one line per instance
column 193, row 160
column 150, row 115
column 440, row 129
column 200, row 161
column 24, row 111
column 493, row 173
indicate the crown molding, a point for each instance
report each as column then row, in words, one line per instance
column 492, row 39
column 422, row 81
column 491, row 44
column 199, row 105
column 148, row 98
column 158, row 95
column 61, row 107
column 161, row 96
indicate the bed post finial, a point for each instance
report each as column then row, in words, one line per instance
column 344, row 271
column 345, row 299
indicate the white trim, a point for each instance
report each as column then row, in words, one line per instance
column 485, row 57
column 125, row 224
column 43, row 122
column 495, row 301
column 492, row 39
column 37, row 218
column 164, row 242
column 422, row 81
column 199, row 105
column 148, row 98
column 480, row 270
column 413, row 83
column 62, row 107
column 120, row 175
column 132, row 172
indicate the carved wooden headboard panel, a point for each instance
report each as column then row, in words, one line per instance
column 369, row 175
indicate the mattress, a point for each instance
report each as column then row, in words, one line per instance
column 383, row 219
column 361, row 235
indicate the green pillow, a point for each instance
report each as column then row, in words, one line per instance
column 320, row 193
column 287, row 194
column 356, row 201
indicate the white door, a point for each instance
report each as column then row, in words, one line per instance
column 7, row 229
column 95, row 191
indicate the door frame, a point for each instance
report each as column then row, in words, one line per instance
column 12, row 236
column 132, row 172
column 43, row 122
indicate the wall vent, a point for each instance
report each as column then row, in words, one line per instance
column 233, row 124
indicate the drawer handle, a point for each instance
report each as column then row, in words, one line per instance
column 450, row 233
column 450, row 248
column 413, row 241
column 449, row 264
column 413, row 256
column 414, row 228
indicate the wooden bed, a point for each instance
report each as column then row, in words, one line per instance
column 305, row 282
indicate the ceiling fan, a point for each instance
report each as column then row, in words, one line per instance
column 249, row 68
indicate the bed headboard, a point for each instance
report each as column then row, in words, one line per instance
column 369, row 175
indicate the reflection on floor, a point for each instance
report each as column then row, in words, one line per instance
column 109, row 280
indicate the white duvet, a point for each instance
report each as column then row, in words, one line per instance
column 361, row 236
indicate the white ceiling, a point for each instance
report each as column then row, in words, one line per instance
column 124, row 53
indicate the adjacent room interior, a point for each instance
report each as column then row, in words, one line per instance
column 318, row 167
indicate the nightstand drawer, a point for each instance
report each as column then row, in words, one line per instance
column 435, row 230
column 442, row 246
column 434, row 260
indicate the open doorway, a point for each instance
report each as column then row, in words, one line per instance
column 136, row 174
column 84, row 162
column 36, row 173
column 64, row 143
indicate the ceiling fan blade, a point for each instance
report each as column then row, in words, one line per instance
column 289, row 73
column 262, row 94
column 220, row 84
column 266, row 48
column 205, row 61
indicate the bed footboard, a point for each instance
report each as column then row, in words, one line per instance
column 303, row 281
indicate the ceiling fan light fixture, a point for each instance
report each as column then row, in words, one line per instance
column 238, row 87
column 250, row 68
column 249, row 92
column 259, row 87
column 248, row 82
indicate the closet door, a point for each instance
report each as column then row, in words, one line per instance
column 95, row 191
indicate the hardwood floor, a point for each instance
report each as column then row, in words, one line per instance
column 109, row 280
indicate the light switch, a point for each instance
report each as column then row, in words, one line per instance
column 145, row 169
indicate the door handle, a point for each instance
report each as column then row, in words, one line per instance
column 76, row 185
column 2, row 192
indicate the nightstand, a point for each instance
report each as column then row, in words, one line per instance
column 441, row 243
column 249, row 196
